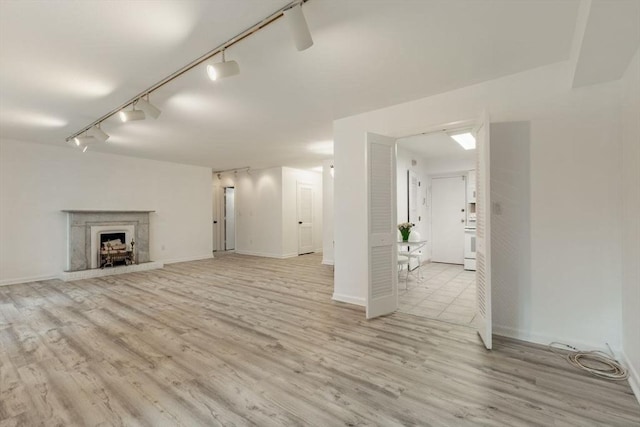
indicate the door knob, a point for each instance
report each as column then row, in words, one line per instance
column 300, row 222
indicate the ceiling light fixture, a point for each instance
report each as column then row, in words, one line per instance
column 298, row 27
column 98, row 133
column 223, row 69
column 302, row 38
column 86, row 147
column 148, row 108
column 131, row 115
column 465, row 139
column 83, row 141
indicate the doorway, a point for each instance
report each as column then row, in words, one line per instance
column 305, row 218
column 229, row 219
column 440, row 288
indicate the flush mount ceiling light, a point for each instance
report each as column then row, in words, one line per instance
column 223, row 69
column 148, row 108
column 131, row 115
column 465, row 139
column 298, row 27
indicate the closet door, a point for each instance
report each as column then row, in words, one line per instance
column 483, row 233
column 382, row 293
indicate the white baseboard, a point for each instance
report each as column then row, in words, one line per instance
column 634, row 378
column 518, row 334
column 349, row 299
column 15, row 281
column 327, row 261
column 266, row 254
column 69, row 276
column 187, row 259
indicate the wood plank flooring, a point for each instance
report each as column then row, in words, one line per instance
column 240, row 340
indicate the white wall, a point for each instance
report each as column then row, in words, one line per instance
column 575, row 196
column 38, row 181
column 266, row 211
column 631, row 222
column 259, row 212
column 327, row 212
column 290, row 179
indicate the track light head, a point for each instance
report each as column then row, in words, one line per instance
column 298, row 27
column 148, row 108
column 83, row 141
column 98, row 134
column 131, row 115
column 223, row 69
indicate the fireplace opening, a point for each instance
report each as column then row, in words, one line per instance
column 107, row 237
column 114, row 250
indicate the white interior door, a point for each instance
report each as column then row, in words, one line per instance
column 229, row 219
column 483, row 233
column 448, row 219
column 216, row 218
column 382, row 290
column 413, row 197
column 305, row 218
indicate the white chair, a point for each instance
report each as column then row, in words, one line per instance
column 402, row 261
column 413, row 237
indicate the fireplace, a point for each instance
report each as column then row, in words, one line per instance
column 88, row 230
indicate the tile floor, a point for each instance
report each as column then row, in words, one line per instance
column 446, row 292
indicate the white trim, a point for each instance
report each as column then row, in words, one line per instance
column 327, row 261
column 267, row 254
column 518, row 334
column 68, row 276
column 349, row 299
column 7, row 282
column 634, row 378
column 187, row 259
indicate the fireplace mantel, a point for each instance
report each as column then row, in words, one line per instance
column 83, row 211
column 80, row 223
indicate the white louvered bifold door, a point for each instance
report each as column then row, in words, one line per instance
column 382, row 294
column 483, row 233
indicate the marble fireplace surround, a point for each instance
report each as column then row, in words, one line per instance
column 79, row 223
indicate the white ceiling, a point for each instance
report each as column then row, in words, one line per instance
column 65, row 63
column 436, row 145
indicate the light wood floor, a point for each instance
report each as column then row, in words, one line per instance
column 241, row 340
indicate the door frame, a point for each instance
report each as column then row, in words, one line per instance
column 224, row 215
column 475, row 124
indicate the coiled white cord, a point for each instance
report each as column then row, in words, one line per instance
column 595, row 362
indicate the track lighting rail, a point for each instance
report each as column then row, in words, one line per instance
column 230, row 42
